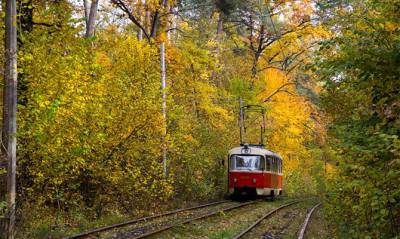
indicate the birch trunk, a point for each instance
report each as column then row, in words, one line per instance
column 9, row 113
column 164, row 98
column 164, row 105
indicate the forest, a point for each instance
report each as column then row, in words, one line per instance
column 126, row 108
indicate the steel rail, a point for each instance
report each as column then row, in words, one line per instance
column 263, row 218
column 306, row 221
column 194, row 219
column 122, row 224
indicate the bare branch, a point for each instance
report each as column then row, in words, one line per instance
column 280, row 89
column 126, row 10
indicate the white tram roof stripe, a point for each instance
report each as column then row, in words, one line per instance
column 252, row 151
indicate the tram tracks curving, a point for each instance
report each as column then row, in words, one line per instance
column 288, row 225
column 306, row 221
column 262, row 218
column 136, row 234
column 154, row 225
column 94, row 233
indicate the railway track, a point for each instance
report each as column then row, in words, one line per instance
column 186, row 221
column 153, row 225
column 301, row 232
column 265, row 216
column 306, row 221
column 88, row 234
column 150, row 228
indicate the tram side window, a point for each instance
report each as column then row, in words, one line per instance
column 268, row 163
column 280, row 166
column 273, row 164
column 262, row 163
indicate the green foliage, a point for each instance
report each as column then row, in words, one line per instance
column 361, row 75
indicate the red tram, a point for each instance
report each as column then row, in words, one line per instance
column 254, row 170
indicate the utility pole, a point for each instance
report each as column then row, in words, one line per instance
column 9, row 143
column 241, row 120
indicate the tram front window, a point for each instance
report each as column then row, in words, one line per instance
column 247, row 162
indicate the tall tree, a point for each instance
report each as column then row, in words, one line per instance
column 359, row 68
column 9, row 142
column 164, row 98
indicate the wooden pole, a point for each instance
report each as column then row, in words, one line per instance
column 241, row 120
column 9, row 143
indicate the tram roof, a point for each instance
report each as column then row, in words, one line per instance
column 253, row 150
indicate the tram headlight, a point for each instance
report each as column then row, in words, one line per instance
column 235, row 180
column 254, row 180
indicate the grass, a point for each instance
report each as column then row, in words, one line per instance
column 44, row 223
column 224, row 225
column 285, row 224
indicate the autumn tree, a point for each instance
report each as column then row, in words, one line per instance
column 359, row 69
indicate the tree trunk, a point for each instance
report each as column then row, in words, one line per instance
column 164, row 105
column 254, row 66
column 174, row 25
column 164, row 93
column 87, row 11
column 218, row 40
column 140, row 35
column 9, row 113
column 220, row 25
column 142, row 19
column 90, row 26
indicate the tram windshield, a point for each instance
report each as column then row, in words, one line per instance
column 247, row 162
